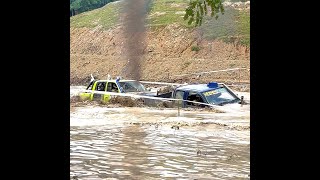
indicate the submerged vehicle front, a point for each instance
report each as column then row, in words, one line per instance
column 211, row 93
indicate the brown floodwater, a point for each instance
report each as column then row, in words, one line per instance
column 146, row 143
column 158, row 152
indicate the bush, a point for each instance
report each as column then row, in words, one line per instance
column 195, row 48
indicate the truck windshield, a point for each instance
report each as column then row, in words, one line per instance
column 219, row 96
column 132, row 86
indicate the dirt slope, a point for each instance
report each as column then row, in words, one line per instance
column 168, row 53
column 169, row 50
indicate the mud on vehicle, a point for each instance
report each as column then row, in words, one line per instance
column 190, row 95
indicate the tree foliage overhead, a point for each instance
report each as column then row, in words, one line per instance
column 198, row 8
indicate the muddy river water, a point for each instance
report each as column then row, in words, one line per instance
column 144, row 143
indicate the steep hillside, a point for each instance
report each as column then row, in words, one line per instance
column 171, row 47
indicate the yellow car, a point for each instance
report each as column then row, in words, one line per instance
column 117, row 86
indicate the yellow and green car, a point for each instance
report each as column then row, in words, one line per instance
column 115, row 86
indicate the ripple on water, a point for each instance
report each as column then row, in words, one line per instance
column 100, row 152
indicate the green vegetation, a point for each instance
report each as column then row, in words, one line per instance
column 105, row 17
column 79, row 6
column 165, row 12
column 186, row 64
column 244, row 27
column 197, row 9
column 195, row 48
column 233, row 27
column 236, row 0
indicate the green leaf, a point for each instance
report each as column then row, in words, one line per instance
column 185, row 17
column 222, row 9
column 213, row 8
column 193, row 4
column 190, row 20
column 212, row 13
column 209, row 2
column 205, row 8
column 201, row 9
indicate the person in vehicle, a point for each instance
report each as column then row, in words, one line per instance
column 101, row 86
column 114, row 88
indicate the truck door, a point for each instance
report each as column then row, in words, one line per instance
column 181, row 95
column 100, row 86
column 111, row 87
column 87, row 95
column 194, row 96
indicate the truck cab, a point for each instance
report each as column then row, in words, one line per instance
column 211, row 93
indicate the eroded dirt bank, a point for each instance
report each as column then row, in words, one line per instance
column 167, row 53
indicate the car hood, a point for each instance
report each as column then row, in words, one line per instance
column 144, row 93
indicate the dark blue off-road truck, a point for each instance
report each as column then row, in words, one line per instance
column 201, row 94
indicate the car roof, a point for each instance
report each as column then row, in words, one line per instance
column 196, row 88
column 113, row 80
